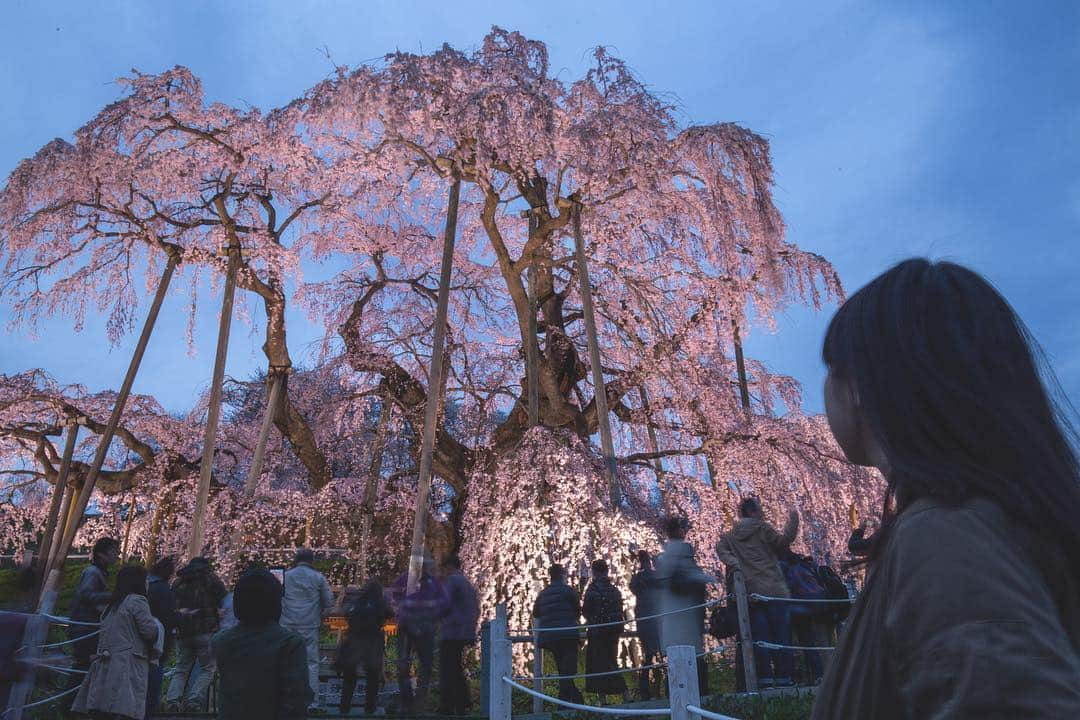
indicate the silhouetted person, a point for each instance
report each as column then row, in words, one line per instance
column 364, row 646
column 92, row 595
column 754, row 546
column 163, row 607
column 646, row 604
column 603, row 605
column 418, row 615
column 971, row 608
column 458, row 632
column 199, row 593
column 263, row 666
column 558, row 607
column 858, row 544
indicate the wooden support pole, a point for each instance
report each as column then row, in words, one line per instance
column 78, row 507
column 371, row 488
column 435, row 385
column 600, row 392
column 127, row 529
column 251, row 484
column 740, row 366
column 499, row 704
column 532, row 350
column 198, row 517
column 663, row 481
column 683, row 687
column 60, row 490
column 746, row 640
column 38, row 627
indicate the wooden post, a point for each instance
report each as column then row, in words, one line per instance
column 663, row 482
column 435, row 384
column 683, row 687
column 532, row 351
column 251, row 484
column 740, row 366
column 127, row 529
column 78, row 507
column 538, row 672
column 600, row 393
column 499, row 705
column 485, row 668
column 198, row 517
column 60, row 491
column 746, row 639
column 371, row 488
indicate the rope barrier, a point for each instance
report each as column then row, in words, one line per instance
column 775, row 646
column 65, row 642
column 709, row 603
column 46, row 701
column 588, row 708
column 606, row 673
column 828, row 601
column 61, row 669
column 59, row 620
column 708, row 715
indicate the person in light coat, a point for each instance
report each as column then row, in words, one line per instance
column 681, row 587
column 307, row 598
column 116, row 682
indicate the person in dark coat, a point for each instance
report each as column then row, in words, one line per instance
column 646, row 604
column 199, row 594
column 557, row 614
column 163, row 607
column 603, row 606
column 262, row 666
column 92, row 595
column 364, row 646
column 458, row 632
column 418, row 614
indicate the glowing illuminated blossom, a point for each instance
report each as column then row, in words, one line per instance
column 687, row 254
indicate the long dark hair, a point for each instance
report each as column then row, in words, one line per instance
column 130, row 580
column 960, row 397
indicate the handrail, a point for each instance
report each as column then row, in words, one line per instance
column 588, row 708
column 827, row 601
column 706, row 604
column 708, row 715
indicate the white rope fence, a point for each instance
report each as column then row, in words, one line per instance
column 627, row 621
column 34, row 662
column 694, row 709
column 586, row 708
column 46, row 701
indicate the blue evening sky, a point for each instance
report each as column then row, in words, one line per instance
column 905, row 128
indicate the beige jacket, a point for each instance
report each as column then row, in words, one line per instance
column 957, row 622
column 753, row 546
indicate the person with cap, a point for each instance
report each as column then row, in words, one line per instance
column 418, row 615
column 262, row 665
column 307, row 598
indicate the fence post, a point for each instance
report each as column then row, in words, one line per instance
column 485, row 667
column 683, row 687
column 538, row 672
column 746, row 641
column 499, row 692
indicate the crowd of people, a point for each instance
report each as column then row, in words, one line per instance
column 261, row 640
column 970, row 609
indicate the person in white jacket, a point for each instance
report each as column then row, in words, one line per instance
column 307, row 598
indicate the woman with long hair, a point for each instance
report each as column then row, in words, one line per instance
column 116, row 683
column 971, row 608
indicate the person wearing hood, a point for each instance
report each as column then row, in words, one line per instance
column 199, row 593
column 753, row 546
column 263, row 666
column 682, row 589
column 307, row 598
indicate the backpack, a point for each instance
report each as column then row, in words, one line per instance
column 835, row 589
column 724, row 621
column 365, row 616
